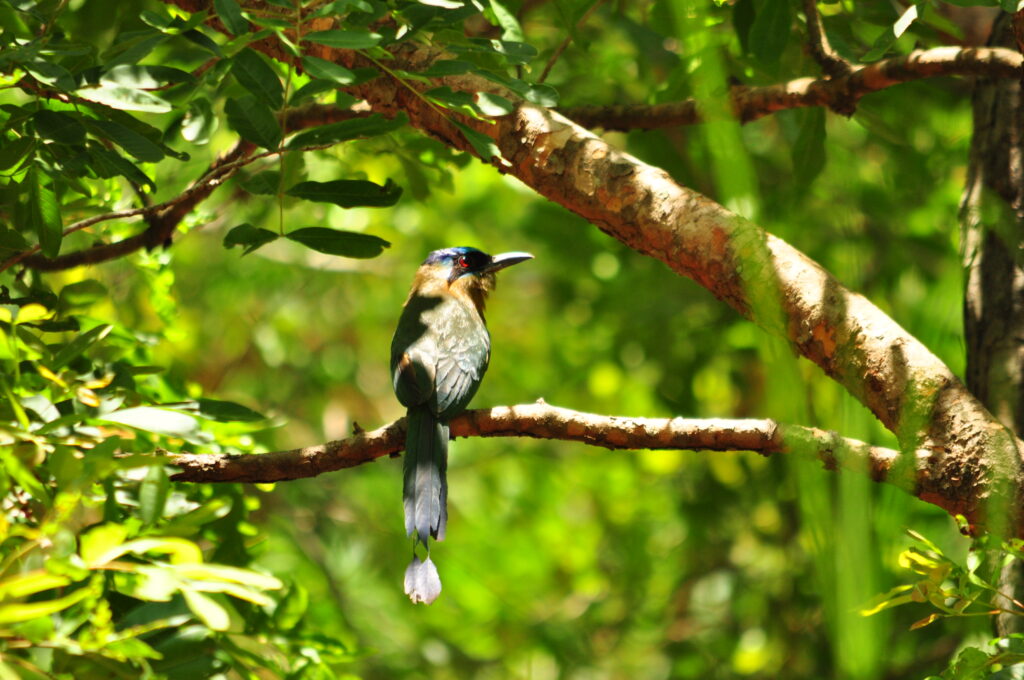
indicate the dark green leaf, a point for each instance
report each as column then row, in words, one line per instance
column 453, row 99
column 328, row 70
column 539, row 94
column 199, row 122
column 58, row 126
column 334, row 242
column 129, row 140
column 348, row 129
column 82, row 293
column 265, row 183
column 348, row 193
column 255, row 75
column 249, row 237
column 311, row 89
column 107, row 163
column 79, row 345
column 124, row 98
column 12, row 240
column 44, row 214
column 809, row 149
column 513, row 52
column 226, row 411
column 153, row 494
column 342, row 7
column 132, row 47
column 344, row 40
column 231, row 14
column 253, row 120
column 13, row 153
column 200, row 38
column 770, row 31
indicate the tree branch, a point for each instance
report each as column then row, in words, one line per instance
column 839, row 93
column 543, row 421
column 817, row 42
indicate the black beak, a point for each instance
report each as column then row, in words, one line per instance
column 503, row 260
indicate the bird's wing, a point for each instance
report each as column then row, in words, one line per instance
column 414, row 353
column 461, row 363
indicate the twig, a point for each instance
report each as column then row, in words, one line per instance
column 568, row 39
column 817, row 41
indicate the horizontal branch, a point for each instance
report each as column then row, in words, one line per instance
column 543, row 421
column 840, row 93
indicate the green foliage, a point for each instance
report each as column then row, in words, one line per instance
column 560, row 562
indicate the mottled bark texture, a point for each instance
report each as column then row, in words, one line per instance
column 543, row 421
column 992, row 219
column 972, row 457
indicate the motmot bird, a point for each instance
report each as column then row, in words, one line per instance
column 439, row 354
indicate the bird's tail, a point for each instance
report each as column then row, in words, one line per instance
column 425, row 496
column 425, row 489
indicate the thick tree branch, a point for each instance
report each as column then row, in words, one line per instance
column 543, row 421
column 839, row 93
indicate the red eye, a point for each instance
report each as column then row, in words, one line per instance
column 462, row 261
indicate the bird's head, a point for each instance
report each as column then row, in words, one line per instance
column 464, row 272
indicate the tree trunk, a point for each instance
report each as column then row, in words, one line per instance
column 992, row 217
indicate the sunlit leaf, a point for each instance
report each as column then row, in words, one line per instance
column 199, row 122
column 153, row 494
column 124, row 98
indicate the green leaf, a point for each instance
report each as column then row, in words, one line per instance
column 493, row 104
column 344, row 40
column 481, row 143
column 44, row 214
column 207, row 609
column 328, row 70
column 265, row 183
column 129, row 140
column 888, row 37
column 254, row 121
column 225, row 411
column 77, row 346
column 231, row 14
column 453, row 99
column 108, row 163
column 334, row 242
column 153, row 494
column 82, row 293
column 348, row 193
column 14, row 613
column 255, row 75
column 535, row 93
column 50, row 74
column 13, row 153
column 31, row 583
column 249, row 237
column 142, row 77
column 809, row 148
column 200, row 122
column 345, row 130
column 156, row 420
column 511, row 30
column 101, row 541
column 514, row 52
column 59, row 127
column 124, row 98
column 770, row 31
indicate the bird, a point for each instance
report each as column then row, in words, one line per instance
column 439, row 354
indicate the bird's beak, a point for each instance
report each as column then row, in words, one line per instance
column 503, row 260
